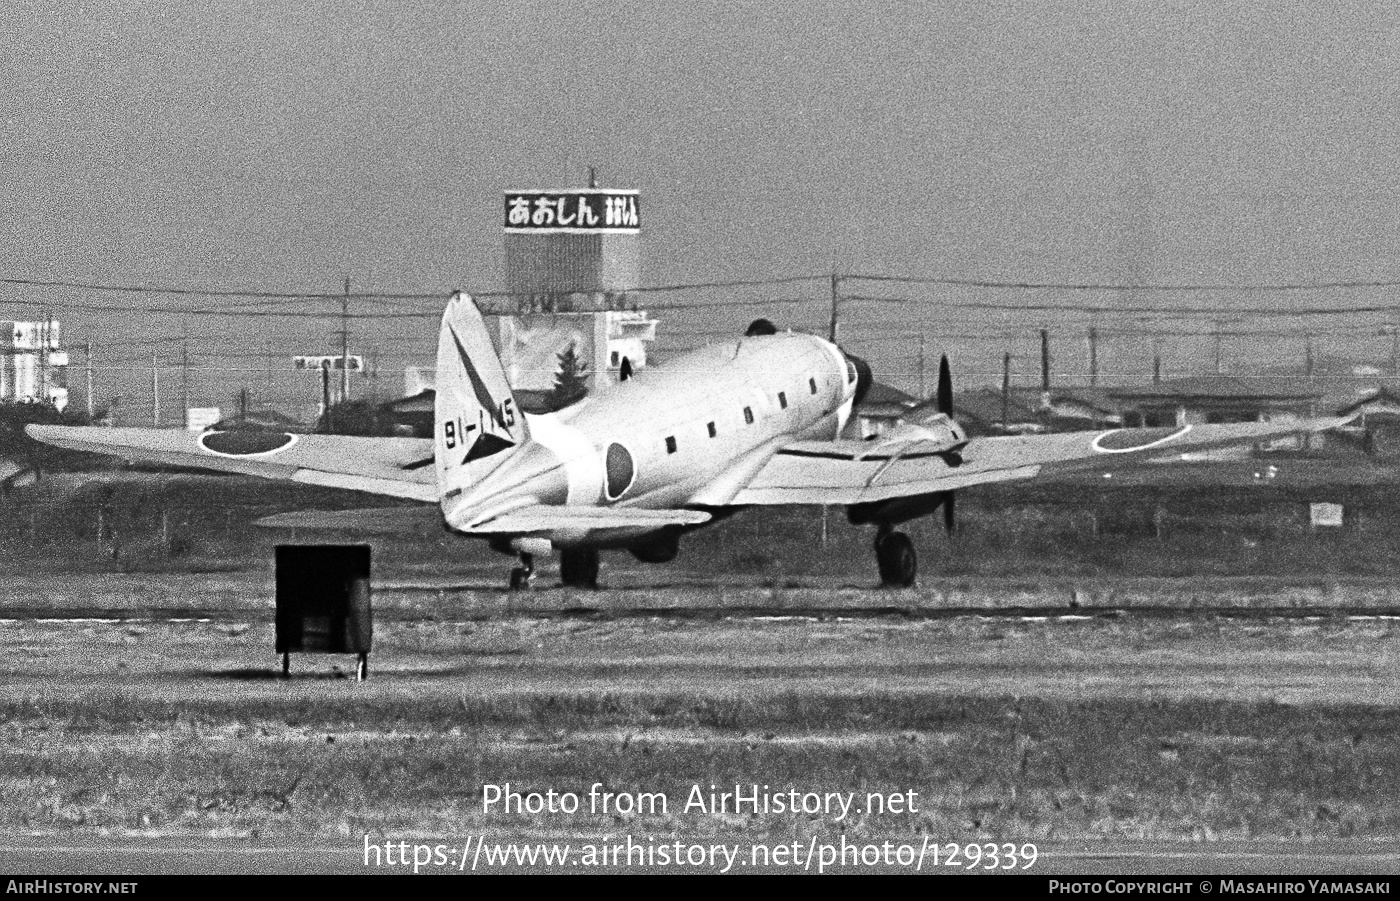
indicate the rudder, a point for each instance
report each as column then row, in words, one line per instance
column 477, row 424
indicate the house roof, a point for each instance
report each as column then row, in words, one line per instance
column 1094, row 398
column 414, row 403
column 880, row 393
column 885, row 400
column 1388, row 392
column 1222, row 387
column 985, row 405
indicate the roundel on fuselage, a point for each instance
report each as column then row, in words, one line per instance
column 620, row 470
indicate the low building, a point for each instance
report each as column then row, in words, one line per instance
column 412, row 416
column 1375, row 423
column 1215, row 399
column 32, row 365
column 882, row 408
column 989, row 411
column 1070, row 409
column 1221, row 399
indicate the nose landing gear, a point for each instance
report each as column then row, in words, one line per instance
column 898, row 562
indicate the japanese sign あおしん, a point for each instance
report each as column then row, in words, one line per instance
column 572, row 211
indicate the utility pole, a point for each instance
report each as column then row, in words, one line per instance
column 345, row 343
column 1005, row 386
column 1395, row 342
column 43, row 392
column 1156, row 361
column 1045, row 360
column 835, row 331
column 91, row 405
column 923, row 342
column 267, row 387
column 326, row 396
column 155, row 392
column 185, row 376
column 1312, row 401
column 1219, row 339
column 1093, row 357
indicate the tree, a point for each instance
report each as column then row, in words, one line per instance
column 356, row 417
column 570, row 379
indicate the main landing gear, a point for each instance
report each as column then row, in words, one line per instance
column 578, row 567
column 520, row 576
column 894, row 552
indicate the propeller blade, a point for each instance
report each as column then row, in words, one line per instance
column 945, row 387
column 950, row 515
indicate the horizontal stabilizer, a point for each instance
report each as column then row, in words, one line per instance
column 544, row 518
column 402, row 521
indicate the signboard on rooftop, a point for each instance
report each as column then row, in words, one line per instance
column 586, row 210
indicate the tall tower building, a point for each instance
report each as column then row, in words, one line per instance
column 571, row 257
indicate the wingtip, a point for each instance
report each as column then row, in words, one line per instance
column 44, row 432
column 1328, row 423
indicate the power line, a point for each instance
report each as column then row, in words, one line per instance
column 1149, row 311
column 1346, row 284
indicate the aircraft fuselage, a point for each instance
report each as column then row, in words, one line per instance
column 689, row 433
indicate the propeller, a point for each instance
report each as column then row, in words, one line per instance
column 945, row 406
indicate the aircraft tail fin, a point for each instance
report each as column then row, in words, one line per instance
column 477, row 424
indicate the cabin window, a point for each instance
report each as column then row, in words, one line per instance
column 748, row 415
column 812, row 383
column 782, row 399
column 713, row 431
column 671, row 444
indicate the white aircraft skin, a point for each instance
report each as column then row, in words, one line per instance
column 750, row 421
column 758, row 393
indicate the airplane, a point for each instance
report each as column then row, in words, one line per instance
column 752, row 421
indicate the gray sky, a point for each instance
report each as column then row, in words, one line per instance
column 281, row 145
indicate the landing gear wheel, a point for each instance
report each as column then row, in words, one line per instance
column 521, row 575
column 899, row 564
column 578, row 567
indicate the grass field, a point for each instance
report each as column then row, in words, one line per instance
column 1008, row 730
column 1189, row 727
column 1178, row 528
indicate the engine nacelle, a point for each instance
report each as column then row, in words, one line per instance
column 937, row 432
column 896, row 510
column 661, row 548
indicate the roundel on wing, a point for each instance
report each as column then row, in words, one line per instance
column 239, row 443
column 1121, row 440
column 620, row 470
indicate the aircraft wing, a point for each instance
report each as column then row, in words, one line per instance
column 855, row 472
column 394, row 467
